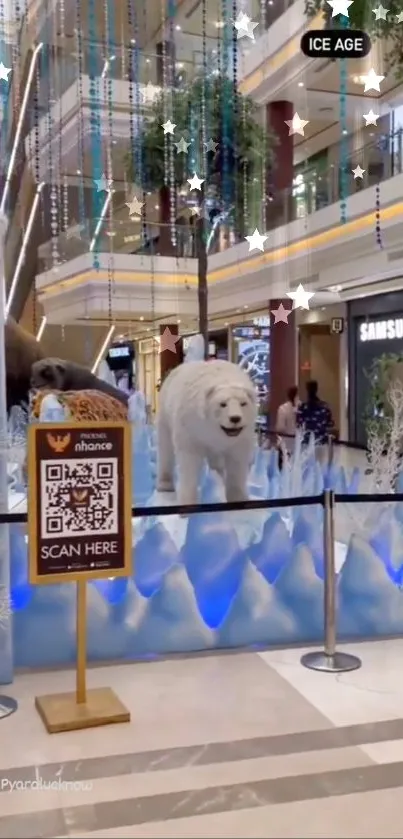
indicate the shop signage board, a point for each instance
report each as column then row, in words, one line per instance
column 79, row 501
column 79, row 529
column 337, row 326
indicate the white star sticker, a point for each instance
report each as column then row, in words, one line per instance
column 256, row 241
column 134, row 206
column 169, row 127
column 182, row 146
column 4, row 72
column 358, row 172
column 74, row 231
column 380, row 12
column 339, row 7
column 300, row 297
column 370, row 118
column 296, row 125
column 244, row 26
column 150, row 93
column 195, row 182
column 103, row 184
column 399, row 17
column 372, row 81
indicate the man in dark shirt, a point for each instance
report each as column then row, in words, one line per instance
column 314, row 416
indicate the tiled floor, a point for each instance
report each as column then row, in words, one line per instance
column 230, row 745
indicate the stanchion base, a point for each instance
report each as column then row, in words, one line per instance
column 337, row 663
column 61, row 711
column 7, row 706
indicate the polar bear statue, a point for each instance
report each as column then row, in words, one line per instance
column 207, row 412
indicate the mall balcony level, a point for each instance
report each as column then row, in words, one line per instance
column 319, row 249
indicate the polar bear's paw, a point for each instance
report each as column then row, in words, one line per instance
column 165, row 485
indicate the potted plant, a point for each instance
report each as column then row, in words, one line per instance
column 233, row 162
column 362, row 17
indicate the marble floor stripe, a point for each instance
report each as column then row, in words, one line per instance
column 373, row 815
column 211, row 753
column 106, row 815
column 22, row 800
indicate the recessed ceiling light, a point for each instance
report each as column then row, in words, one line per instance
column 78, row 171
column 156, row 206
column 246, row 307
column 300, row 84
column 178, row 321
column 132, row 40
column 345, row 131
column 219, row 24
column 141, row 317
column 178, row 28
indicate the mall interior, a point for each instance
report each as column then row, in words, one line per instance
column 121, row 225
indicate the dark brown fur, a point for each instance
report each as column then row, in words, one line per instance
column 56, row 374
column 22, row 351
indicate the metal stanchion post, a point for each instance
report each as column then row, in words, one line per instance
column 329, row 660
column 330, row 450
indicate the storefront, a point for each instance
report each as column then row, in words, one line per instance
column 251, row 350
column 375, row 331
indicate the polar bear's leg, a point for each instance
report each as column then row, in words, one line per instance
column 189, row 465
column 236, row 476
column 165, row 458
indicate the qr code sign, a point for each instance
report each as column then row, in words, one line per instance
column 79, row 497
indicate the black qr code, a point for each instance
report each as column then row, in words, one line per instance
column 79, row 497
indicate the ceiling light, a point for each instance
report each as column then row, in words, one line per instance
column 141, row 317
column 180, row 65
column 246, row 307
column 345, row 131
column 132, row 40
column 156, row 206
column 78, row 171
column 219, row 24
column 300, row 84
column 178, row 28
column 178, row 321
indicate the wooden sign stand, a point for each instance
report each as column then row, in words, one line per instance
column 52, row 446
column 84, row 708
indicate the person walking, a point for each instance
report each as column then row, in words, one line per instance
column 286, row 423
column 315, row 417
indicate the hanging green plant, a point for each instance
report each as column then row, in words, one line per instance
column 362, row 17
column 249, row 149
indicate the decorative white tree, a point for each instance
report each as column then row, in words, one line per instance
column 385, row 448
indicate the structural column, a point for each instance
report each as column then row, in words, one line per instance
column 170, row 350
column 280, row 175
column 283, row 357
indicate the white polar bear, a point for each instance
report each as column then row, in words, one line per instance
column 207, row 411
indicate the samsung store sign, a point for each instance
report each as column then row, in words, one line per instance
column 381, row 330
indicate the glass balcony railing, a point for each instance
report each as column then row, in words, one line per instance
column 131, row 237
column 311, row 192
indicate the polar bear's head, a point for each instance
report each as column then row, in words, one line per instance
column 231, row 408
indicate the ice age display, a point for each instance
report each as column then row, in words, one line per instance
column 218, row 579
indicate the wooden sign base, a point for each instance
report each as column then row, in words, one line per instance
column 62, row 712
column 84, row 708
